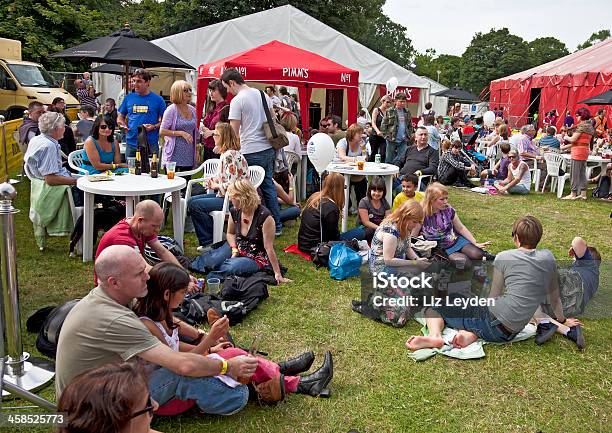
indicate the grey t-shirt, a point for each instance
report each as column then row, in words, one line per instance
column 83, row 128
column 527, row 276
column 376, row 215
column 97, row 331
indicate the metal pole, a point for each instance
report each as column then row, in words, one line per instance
column 8, row 279
column 20, row 374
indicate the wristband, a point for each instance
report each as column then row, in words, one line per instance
column 235, row 250
column 113, row 166
column 223, row 367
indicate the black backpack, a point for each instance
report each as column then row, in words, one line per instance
column 48, row 323
column 320, row 253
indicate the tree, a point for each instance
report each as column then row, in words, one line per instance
column 490, row 56
column 449, row 67
column 599, row 36
column 44, row 27
column 544, row 50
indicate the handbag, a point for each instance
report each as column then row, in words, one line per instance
column 275, row 132
column 320, row 253
column 344, row 262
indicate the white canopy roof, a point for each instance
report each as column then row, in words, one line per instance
column 292, row 26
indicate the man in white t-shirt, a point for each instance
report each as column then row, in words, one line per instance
column 247, row 116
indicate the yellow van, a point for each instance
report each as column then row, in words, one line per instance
column 23, row 82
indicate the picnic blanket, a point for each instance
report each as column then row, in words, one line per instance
column 49, row 210
column 473, row 351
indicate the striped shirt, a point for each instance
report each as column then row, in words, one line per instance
column 86, row 100
column 44, row 157
column 449, row 160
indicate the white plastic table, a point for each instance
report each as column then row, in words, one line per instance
column 131, row 187
column 592, row 159
column 387, row 171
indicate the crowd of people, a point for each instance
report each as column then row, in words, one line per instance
column 129, row 314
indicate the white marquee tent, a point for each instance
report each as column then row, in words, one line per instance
column 292, row 26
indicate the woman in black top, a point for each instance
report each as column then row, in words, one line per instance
column 313, row 227
column 250, row 239
column 377, row 141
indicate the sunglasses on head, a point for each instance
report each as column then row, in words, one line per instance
column 149, row 408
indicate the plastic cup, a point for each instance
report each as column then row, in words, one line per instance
column 131, row 162
column 214, row 285
column 360, row 163
column 170, row 169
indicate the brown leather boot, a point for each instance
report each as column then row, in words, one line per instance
column 271, row 391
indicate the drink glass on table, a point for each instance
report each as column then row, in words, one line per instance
column 360, row 162
column 170, row 169
column 131, row 162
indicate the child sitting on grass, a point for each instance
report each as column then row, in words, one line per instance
column 409, row 192
column 500, row 170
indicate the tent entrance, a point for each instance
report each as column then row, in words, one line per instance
column 534, row 105
column 334, row 99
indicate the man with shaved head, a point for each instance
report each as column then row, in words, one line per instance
column 102, row 328
column 139, row 230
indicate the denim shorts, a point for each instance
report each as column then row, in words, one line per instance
column 476, row 319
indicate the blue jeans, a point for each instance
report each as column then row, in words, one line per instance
column 219, row 263
column 199, row 208
column 289, row 213
column 476, row 319
column 265, row 159
column 211, row 395
column 395, row 150
column 518, row 189
column 355, row 233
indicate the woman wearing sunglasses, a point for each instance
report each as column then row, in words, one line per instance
column 113, row 398
column 178, row 127
column 101, row 150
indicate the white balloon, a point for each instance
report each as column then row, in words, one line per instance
column 391, row 85
column 489, row 118
column 320, row 151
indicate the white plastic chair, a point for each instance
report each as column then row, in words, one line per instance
column 168, row 196
column 75, row 161
column 553, row 166
column 424, row 176
column 209, row 168
column 295, row 159
column 536, row 172
column 256, row 176
column 74, row 210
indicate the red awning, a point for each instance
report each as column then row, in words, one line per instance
column 283, row 64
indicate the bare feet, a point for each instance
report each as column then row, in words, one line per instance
column 569, row 197
column 417, row 342
column 463, row 339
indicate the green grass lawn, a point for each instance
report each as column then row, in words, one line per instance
column 376, row 388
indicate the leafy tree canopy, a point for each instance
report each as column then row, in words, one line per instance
column 599, row 36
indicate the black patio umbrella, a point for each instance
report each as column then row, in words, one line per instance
column 110, row 68
column 458, row 94
column 604, row 98
column 123, row 48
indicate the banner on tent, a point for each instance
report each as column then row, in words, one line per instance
column 412, row 93
column 10, row 155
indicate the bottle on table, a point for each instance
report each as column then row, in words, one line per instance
column 154, row 170
column 138, row 165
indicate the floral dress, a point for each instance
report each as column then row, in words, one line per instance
column 395, row 315
column 439, row 227
column 233, row 167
